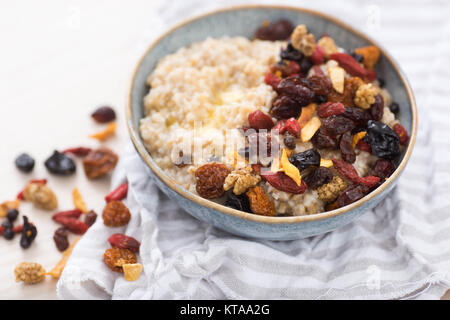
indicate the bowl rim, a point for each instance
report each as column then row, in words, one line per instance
column 173, row 185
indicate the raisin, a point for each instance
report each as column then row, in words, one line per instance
column 320, row 84
column 238, row 202
column 210, row 178
column 382, row 168
column 115, row 258
column 305, row 159
column 280, row 30
column 336, row 125
column 322, row 140
column 289, row 141
column 357, row 115
column 377, row 108
column 394, row 107
column 290, row 53
column 294, row 89
column 284, row 108
column 99, row 162
column 12, row 215
column 282, row 182
column 125, row 242
column 61, row 239
column 351, row 194
column 383, row 141
column 286, row 68
column 363, row 146
column 259, row 202
column 116, row 214
column 90, row 218
column 318, row 177
column 104, row 114
column 329, row 109
column 401, row 132
column 29, row 233
column 346, row 147
column 259, row 120
column 305, row 65
column 60, row 164
column 24, row 163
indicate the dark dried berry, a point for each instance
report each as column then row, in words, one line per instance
column 60, row 164
column 305, row 159
column 357, row 115
column 377, row 108
column 287, row 69
column 12, row 215
column 320, row 84
column 318, row 177
column 358, row 57
column 290, row 53
column 61, row 239
column 305, row 65
column 394, row 107
column 284, row 108
column 8, row 234
column 280, row 30
column 90, row 218
column 29, row 233
column 104, row 114
column 122, row 241
column 337, row 125
column 289, row 141
column 7, row 224
column 329, row 109
column 294, row 89
column 62, row 232
column 383, row 141
column 401, row 133
column 238, row 202
column 319, row 99
column 352, row 194
column 25, row 163
column 346, row 147
column 322, row 140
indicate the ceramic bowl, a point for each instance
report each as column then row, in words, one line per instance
column 243, row 21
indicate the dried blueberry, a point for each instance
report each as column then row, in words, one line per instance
column 394, row 107
column 289, row 141
column 318, row 177
column 104, row 114
column 285, row 108
column 290, row 53
column 8, row 234
column 25, row 163
column 238, row 202
column 383, row 141
column 60, row 164
column 305, row 65
column 7, row 224
column 12, row 215
column 305, row 159
column 29, row 233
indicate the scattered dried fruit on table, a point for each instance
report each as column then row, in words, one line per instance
column 73, row 225
column 318, row 177
column 41, row 196
column 310, row 129
column 259, row 120
column 7, row 232
column 329, row 109
column 259, row 202
column 132, row 271
column 18, row 229
column 118, row 194
column 78, row 151
column 370, row 54
column 99, row 162
column 29, row 272
column 383, row 141
column 337, row 76
column 365, row 95
column 8, row 205
column 210, row 179
column 125, row 242
column 78, row 201
column 305, row 159
column 115, row 258
column 330, row 191
column 240, row 180
column 116, row 214
column 25, row 163
column 105, row 134
column 401, row 133
column 60, row 164
column 90, row 218
column 352, row 194
column 61, row 238
column 238, row 202
column 29, row 233
column 280, row 30
column 104, row 114
column 12, row 215
column 280, row 181
column 74, row 214
column 303, row 41
column 59, row 267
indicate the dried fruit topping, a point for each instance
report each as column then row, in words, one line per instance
column 240, row 180
column 369, row 181
column 310, row 128
column 305, row 159
column 357, row 115
column 329, row 109
column 118, row 194
column 59, row 267
column 73, row 225
column 104, row 114
column 60, row 164
column 210, row 179
column 370, row 55
column 319, row 84
column 296, row 90
column 105, row 134
column 305, row 65
column 357, row 137
column 24, row 163
column 350, row 87
column 292, row 126
column 259, row 120
column 382, row 168
column 125, row 242
column 346, row 147
column 99, row 162
column 132, row 271
column 383, row 141
column 290, row 53
column 330, row 191
column 61, row 239
column 284, row 108
column 363, row 146
column 115, row 258
column 326, row 163
column 74, row 214
column 307, row 114
column 29, row 272
column 78, row 151
column 346, row 170
column 279, row 180
column 29, row 233
column 259, row 202
column 41, row 196
column 280, row 30
column 328, row 45
column 352, row 66
column 318, row 56
column 377, row 108
column 365, row 95
column 90, row 218
column 116, row 214
column 357, row 57
column 238, row 202
column 318, row 177
column 289, row 141
column 78, row 201
column 337, row 77
column 401, row 132
column 287, row 69
column 322, row 140
column 289, row 169
column 303, row 41
column 337, row 125
column 351, row 194
column 394, row 107
column 272, row 80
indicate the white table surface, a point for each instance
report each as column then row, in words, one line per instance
column 59, row 61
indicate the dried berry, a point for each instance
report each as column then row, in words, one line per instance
column 383, row 141
column 284, row 108
column 305, row 65
column 73, row 225
column 280, row 30
column 29, row 272
column 56, row 271
column 369, row 181
column 115, row 258
column 104, row 114
column 78, row 151
column 402, row 133
column 60, row 164
column 116, row 214
column 282, row 182
column 363, row 146
column 25, row 163
column 210, row 178
column 318, row 177
column 7, row 224
column 319, row 84
column 292, row 126
column 296, row 90
column 259, row 120
column 74, row 214
column 12, row 215
column 289, row 141
column 329, row 109
column 346, row 170
column 305, row 159
column 351, row 194
column 29, row 233
column 99, row 162
column 346, row 147
column 357, row 115
column 272, row 80
column 286, row 68
column 90, row 218
column 319, row 99
column 8, row 233
column 124, row 242
column 318, row 55
column 117, row 194
column 61, row 239
column 238, row 202
column 352, row 66
column 290, row 53
column 382, row 169
column 259, row 202
column 377, row 108
column 337, row 125
column 322, row 140
column 18, row 229
column 394, row 107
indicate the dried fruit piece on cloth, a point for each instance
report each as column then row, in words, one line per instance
column 58, row 269
column 330, row 191
column 78, row 201
column 240, row 180
column 115, row 258
column 117, row 194
column 41, row 196
column 125, row 242
column 210, row 180
column 29, row 272
column 99, row 162
column 259, row 202
column 116, row 214
column 105, row 134
column 132, row 271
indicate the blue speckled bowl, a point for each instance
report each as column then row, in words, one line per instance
column 243, row 21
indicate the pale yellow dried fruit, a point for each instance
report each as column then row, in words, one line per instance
column 337, row 77
column 132, row 271
column 78, row 201
column 328, row 45
column 358, row 136
column 365, row 95
column 326, row 163
column 41, row 196
column 29, row 272
column 240, row 180
column 303, row 41
column 289, row 169
column 310, row 129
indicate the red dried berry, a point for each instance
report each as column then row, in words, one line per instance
column 352, row 194
column 364, row 146
column 259, row 120
column 318, row 71
column 122, row 241
column 346, row 170
column 329, row 109
column 17, row 229
column 74, row 214
column 272, row 80
column 292, row 126
column 117, row 194
column 349, row 64
column 73, row 225
column 286, row 68
column 401, row 132
column 369, row 181
column 282, row 182
column 104, row 114
column 318, row 55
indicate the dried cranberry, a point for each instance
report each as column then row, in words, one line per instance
column 238, row 202
column 24, row 163
column 292, row 126
column 284, row 108
column 289, row 141
column 383, row 141
column 318, row 177
column 280, row 30
column 104, row 114
column 322, row 140
column 337, row 125
column 294, row 89
column 259, row 120
column 305, row 159
column 329, row 109
column 382, row 168
column 60, row 164
column 377, row 108
column 318, row 55
column 352, row 194
column 290, row 53
column 346, row 147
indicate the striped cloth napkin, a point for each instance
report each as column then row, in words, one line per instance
column 398, row 250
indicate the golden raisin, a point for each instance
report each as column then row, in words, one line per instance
column 210, row 178
column 260, row 202
column 115, row 258
column 116, row 214
column 99, row 162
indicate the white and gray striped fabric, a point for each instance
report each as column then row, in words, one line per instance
column 399, row 250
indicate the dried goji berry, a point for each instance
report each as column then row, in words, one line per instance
column 402, row 133
column 318, row 71
column 115, row 258
column 329, row 109
column 292, row 126
column 282, row 182
column 74, row 214
column 352, row 66
column 369, row 181
column 364, row 146
column 318, row 55
column 116, row 214
column 260, row 202
column 78, row 151
column 125, row 242
column 259, row 120
column 347, row 170
column 73, row 225
column 285, row 68
column 117, row 194
column 210, row 178
column 18, row 229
